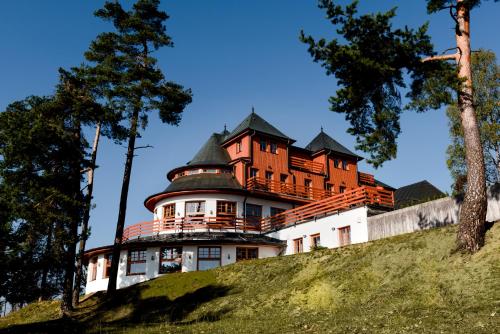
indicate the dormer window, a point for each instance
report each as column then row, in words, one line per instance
column 263, row 145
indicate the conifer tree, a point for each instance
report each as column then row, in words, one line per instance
column 486, row 94
column 370, row 63
column 132, row 83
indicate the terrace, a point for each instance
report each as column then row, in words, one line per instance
column 364, row 195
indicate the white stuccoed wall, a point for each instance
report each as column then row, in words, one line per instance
column 327, row 227
column 211, row 204
column 189, row 263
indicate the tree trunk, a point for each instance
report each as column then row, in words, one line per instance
column 123, row 204
column 86, row 217
column 75, row 181
column 46, row 264
column 473, row 212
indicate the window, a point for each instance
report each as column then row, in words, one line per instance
column 345, row 236
column 169, row 211
column 315, row 240
column 170, row 259
column 341, row 189
column 273, row 148
column 269, row 175
column 253, row 214
column 283, row 178
column 107, row 265
column 254, row 172
column 329, row 187
column 238, row 146
column 344, row 165
column 298, row 246
column 246, row 253
column 307, row 183
column 93, row 268
column 263, row 145
column 225, row 208
column 208, row 257
column 136, row 262
column 276, row 211
column 195, row 210
column 210, row 170
column 336, row 163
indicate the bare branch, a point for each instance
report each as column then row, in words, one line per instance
column 442, row 57
column 139, row 147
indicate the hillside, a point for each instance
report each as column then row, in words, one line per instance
column 412, row 283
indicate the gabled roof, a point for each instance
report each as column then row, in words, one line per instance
column 257, row 123
column 324, row 141
column 416, row 193
column 385, row 185
column 211, row 153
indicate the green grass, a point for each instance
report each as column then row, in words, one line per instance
column 412, row 283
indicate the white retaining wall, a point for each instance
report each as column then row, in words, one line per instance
column 440, row 212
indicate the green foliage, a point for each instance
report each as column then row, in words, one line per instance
column 411, row 283
column 38, row 149
column 486, row 94
column 123, row 69
column 370, row 60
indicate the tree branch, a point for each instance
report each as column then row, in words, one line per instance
column 139, row 147
column 454, row 56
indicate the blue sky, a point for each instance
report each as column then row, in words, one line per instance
column 233, row 55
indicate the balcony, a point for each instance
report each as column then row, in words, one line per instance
column 186, row 225
column 286, row 189
column 350, row 199
column 307, row 165
column 364, row 195
column 365, row 178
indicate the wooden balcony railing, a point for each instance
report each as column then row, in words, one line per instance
column 365, row 178
column 190, row 224
column 286, row 189
column 347, row 200
column 360, row 196
column 311, row 166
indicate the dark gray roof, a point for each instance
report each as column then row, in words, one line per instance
column 257, row 123
column 382, row 184
column 416, row 193
column 211, row 153
column 204, row 181
column 209, row 237
column 324, row 141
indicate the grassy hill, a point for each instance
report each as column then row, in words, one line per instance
column 412, row 283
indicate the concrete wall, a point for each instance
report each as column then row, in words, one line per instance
column 440, row 212
column 327, row 227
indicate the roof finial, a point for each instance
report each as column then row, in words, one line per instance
column 225, row 127
column 253, row 110
column 321, row 128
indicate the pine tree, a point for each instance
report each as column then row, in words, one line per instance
column 132, row 83
column 486, row 94
column 371, row 62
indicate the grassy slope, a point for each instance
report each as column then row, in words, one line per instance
column 406, row 284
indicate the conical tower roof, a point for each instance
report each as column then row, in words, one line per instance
column 211, row 153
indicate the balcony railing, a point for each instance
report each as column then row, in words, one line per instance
column 191, row 224
column 364, row 195
column 311, row 166
column 336, row 203
column 286, row 189
column 365, row 178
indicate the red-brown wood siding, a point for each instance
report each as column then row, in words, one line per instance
column 267, row 161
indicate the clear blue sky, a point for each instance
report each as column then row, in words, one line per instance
column 233, row 54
